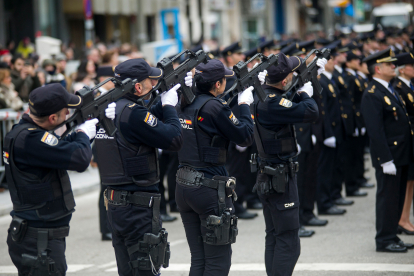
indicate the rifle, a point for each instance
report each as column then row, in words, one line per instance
column 173, row 76
column 307, row 73
column 246, row 78
column 91, row 107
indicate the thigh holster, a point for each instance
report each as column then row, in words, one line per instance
column 224, row 229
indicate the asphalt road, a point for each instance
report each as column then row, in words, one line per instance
column 344, row 247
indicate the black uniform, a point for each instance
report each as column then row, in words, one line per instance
column 276, row 179
column 390, row 135
column 36, row 163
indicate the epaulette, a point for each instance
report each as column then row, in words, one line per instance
column 399, row 85
column 131, row 105
column 32, row 128
column 222, row 101
column 372, row 89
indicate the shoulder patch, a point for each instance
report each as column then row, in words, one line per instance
column 49, row 139
column 285, row 103
column 131, row 105
column 151, row 119
column 272, row 95
column 341, row 80
column 357, row 82
column 222, row 101
column 372, row 89
column 233, row 119
column 32, row 128
column 387, row 100
column 331, row 88
column 410, row 97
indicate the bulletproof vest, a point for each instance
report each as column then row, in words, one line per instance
column 51, row 196
column 200, row 150
column 121, row 162
column 271, row 144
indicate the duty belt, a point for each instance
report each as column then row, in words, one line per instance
column 117, row 197
column 53, row 233
column 191, row 177
column 291, row 168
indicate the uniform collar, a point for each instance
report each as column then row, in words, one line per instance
column 339, row 68
column 273, row 89
column 362, row 74
column 407, row 82
column 384, row 83
column 351, row 71
column 327, row 74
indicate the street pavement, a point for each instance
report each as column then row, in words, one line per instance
column 344, row 247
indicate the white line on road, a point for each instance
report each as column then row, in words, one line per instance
column 108, row 265
column 71, row 268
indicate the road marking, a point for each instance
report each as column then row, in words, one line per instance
column 71, row 268
column 108, row 265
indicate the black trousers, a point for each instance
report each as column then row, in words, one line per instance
column 128, row 225
column 168, row 163
column 351, row 151
column 307, row 182
column 389, row 204
column 103, row 216
column 327, row 169
column 196, row 204
column 29, row 246
column 281, row 214
column 359, row 161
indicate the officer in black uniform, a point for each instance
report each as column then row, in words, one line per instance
column 36, row 162
column 232, row 54
column 405, row 88
column 390, row 134
column 204, row 189
column 128, row 165
column 276, row 180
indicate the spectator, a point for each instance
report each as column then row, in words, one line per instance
column 41, row 75
column 8, row 97
column 94, row 55
column 23, row 77
column 7, row 58
column 85, row 75
column 102, row 48
column 110, row 58
column 11, row 46
column 25, row 48
column 52, row 74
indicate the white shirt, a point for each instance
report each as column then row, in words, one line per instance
column 384, row 83
column 327, row 74
column 362, row 75
column 407, row 82
column 340, row 70
column 351, row 71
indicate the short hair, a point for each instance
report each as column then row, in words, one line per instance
column 371, row 68
column 397, row 69
column 205, row 86
column 16, row 57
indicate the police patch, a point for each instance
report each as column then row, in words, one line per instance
column 49, row 139
column 410, row 97
column 341, row 80
column 285, row 103
column 233, row 119
column 150, row 119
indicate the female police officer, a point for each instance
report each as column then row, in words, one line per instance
column 203, row 189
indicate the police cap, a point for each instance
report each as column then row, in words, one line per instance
column 49, row 99
column 292, row 50
column 281, row 44
column 285, row 66
column 104, row 71
column 307, row 46
column 403, row 59
column 323, row 41
column 352, row 55
column 213, row 70
column 138, row 69
column 215, row 53
column 265, row 46
column 232, row 49
column 333, row 47
column 383, row 56
column 249, row 54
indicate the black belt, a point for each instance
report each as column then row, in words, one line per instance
column 117, row 197
column 53, row 233
column 190, row 177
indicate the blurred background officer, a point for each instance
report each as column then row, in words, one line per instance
column 404, row 87
column 390, row 134
column 39, row 185
column 232, row 55
column 204, row 190
column 276, row 179
column 128, row 165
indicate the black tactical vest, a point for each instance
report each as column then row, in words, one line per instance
column 121, row 162
column 51, row 196
column 200, row 149
column 272, row 144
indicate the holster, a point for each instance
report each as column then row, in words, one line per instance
column 18, row 228
column 224, row 227
column 272, row 179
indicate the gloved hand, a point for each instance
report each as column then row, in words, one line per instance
column 307, row 88
column 89, row 127
column 170, row 97
column 110, row 111
column 321, row 64
column 356, row 133
column 246, row 96
column 299, row 149
column 313, row 139
column 262, row 77
column 389, row 168
column 363, row 131
column 241, row 149
column 330, row 142
column 189, row 79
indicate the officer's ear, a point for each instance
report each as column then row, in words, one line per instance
column 138, row 88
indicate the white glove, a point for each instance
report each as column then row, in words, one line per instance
column 241, row 149
column 389, row 168
column 170, row 97
column 313, row 139
column 189, row 79
column 262, row 77
column 330, row 142
column 299, row 149
column 356, row 133
column 307, row 88
column 89, row 127
column 246, row 96
column 363, row 131
column 110, row 111
column 321, row 64
column 159, row 151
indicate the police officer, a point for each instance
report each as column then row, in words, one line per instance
column 276, row 179
column 390, row 134
column 128, row 165
column 204, row 189
column 232, row 54
column 36, row 162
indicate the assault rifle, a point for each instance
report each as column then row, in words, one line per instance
column 246, row 78
column 306, row 73
column 173, row 76
column 91, row 107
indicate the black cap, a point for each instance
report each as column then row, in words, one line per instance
column 49, row 99
column 341, row 48
column 105, row 71
column 138, row 69
column 282, row 44
column 196, row 48
column 333, row 47
column 215, row 54
column 233, row 48
column 383, row 56
column 286, row 66
column 249, row 54
column 352, row 55
column 307, row 46
column 265, row 46
column 353, row 45
column 213, row 70
column 403, row 59
column 323, row 41
column 292, row 50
